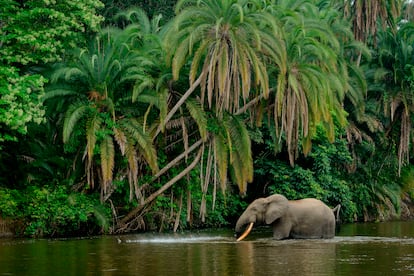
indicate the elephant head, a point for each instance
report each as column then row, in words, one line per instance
column 261, row 210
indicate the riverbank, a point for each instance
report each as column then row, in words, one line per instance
column 12, row 228
column 5, row 228
column 407, row 207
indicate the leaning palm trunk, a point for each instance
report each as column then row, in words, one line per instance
column 133, row 214
column 178, row 104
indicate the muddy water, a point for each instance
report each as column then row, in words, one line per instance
column 358, row 249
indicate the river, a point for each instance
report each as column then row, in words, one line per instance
column 358, row 249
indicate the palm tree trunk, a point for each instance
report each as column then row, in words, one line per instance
column 178, row 104
column 154, row 195
column 132, row 214
column 254, row 101
column 176, row 160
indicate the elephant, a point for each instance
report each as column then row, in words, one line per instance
column 307, row 218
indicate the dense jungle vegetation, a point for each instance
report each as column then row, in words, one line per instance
column 138, row 115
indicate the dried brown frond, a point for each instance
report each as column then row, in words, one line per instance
column 95, row 96
column 394, row 104
column 121, row 139
column 404, row 146
column 353, row 134
column 292, row 118
column 366, row 14
column 107, row 164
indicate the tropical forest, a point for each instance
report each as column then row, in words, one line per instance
column 120, row 116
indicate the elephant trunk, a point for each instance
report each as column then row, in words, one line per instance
column 239, row 226
column 241, row 222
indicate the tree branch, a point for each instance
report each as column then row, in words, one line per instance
column 176, row 160
column 166, row 186
column 179, row 104
column 249, row 104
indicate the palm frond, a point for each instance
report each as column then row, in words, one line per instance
column 241, row 160
column 222, row 159
column 121, row 139
column 140, row 86
column 225, row 44
column 74, row 113
column 107, row 162
column 59, row 92
column 67, row 74
column 131, row 155
column 136, row 16
column 93, row 124
column 103, row 75
column 143, row 140
column 199, row 116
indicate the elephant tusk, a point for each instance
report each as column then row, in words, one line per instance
column 246, row 232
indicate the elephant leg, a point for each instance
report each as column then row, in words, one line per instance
column 329, row 230
column 281, row 229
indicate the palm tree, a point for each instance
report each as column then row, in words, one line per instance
column 366, row 14
column 313, row 79
column 394, row 71
column 362, row 121
column 228, row 149
column 226, row 45
column 227, row 42
column 100, row 87
column 292, row 41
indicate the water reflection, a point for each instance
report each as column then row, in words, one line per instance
column 290, row 258
column 400, row 229
column 361, row 249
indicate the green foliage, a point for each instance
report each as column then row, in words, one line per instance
column 151, row 7
column 20, row 102
column 407, row 178
column 41, row 31
column 59, row 212
column 320, row 175
column 221, row 209
column 114, row 92
column 294, row 183
column 226, row 42
column 54, row 211
column 226, row 209
column 35, row 33
column 376, row 186
column 329, row 165
column 394, row 69
column 110, row 94
column 10, row 203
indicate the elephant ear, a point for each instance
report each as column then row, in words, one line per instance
column 277, row 207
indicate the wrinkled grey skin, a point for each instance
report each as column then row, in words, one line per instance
column 307, row 218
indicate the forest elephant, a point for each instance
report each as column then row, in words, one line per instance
column 307, row 218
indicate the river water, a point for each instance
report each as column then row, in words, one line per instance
column 358, row 249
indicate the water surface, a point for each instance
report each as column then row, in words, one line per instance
column 359, row 249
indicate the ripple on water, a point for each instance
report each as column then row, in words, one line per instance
column 369, row 239
column 224, row 239
column 196, row 239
